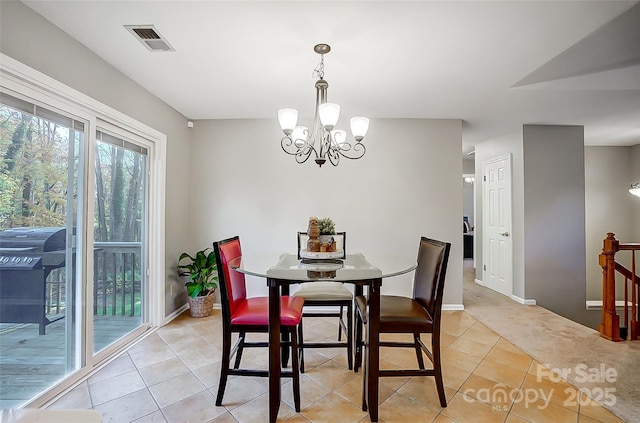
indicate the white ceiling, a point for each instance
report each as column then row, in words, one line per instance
column 496, row 65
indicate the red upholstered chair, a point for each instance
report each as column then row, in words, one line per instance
column 244, row 315
column 416, row 315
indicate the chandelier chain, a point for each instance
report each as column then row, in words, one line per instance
column 318, row 72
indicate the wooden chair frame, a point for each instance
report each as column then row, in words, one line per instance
column 228, row 329
column 433, row 281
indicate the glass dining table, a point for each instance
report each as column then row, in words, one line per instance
column 354, row 269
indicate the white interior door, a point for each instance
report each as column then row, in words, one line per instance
column 497, row 245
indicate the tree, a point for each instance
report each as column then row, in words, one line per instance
column 34, row 170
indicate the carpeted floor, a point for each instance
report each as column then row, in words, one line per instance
column 607, row 371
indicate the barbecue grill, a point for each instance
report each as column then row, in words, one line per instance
column 27, row 256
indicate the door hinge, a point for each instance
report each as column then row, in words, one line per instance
column 484, row 267
column 148, row 272
column 484, row 178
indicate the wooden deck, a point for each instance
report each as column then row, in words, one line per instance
column 31, row 363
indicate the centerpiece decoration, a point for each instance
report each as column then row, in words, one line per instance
column 321, row 248
column 321, row 235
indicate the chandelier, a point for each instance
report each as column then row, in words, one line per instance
column 322, row 140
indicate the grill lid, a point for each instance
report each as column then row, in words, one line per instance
column 32, row 240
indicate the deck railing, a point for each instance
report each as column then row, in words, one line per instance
column 117, row 281
column 610, row 327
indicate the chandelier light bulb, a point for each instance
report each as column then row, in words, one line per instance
column 288, row 118
column 329, row 114
column 359, row 127
column 299, row 135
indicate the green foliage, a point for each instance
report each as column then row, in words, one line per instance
column 34, row 167
column 119, row 194
column 8, row 187
column 327, row 227
column 202, row 272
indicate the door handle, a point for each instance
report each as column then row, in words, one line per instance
column 505, row 234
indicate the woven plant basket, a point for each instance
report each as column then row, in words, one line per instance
column 201, row 306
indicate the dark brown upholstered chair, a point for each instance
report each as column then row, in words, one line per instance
column 244, row 315
column 322, row 295
column 420, row 314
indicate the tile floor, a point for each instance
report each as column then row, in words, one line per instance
column 172, row 376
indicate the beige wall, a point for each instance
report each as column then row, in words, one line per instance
column 554, row 219
column 635, row 177
column 468, row 166
column 408, row 184
column 30, row 39
column 468, row 191
column 610, row 207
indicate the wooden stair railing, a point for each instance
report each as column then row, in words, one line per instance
column 610, row 326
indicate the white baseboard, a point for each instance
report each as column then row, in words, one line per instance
column 452, row 307
column 523, row 300
column 175, row 314
column 169, row 318
column 513, row 297
column 597, row 304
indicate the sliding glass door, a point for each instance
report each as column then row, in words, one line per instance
column 120, row 293
column 41, row 266
column 73, row 245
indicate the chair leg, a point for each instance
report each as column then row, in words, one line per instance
column 437, row 367
column 364, row 378
column 300, row 347
column 284, row 337
column 416, row 338
column 357, row 341
column 241, row 337
column 224, row 366
column 340, row 325
column 294, row 369
column 350, row 335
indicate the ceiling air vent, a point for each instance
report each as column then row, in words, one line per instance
column 149, row 37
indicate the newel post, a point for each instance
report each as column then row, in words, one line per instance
column 610, row 326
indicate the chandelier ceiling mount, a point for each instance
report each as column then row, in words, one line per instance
column 322, row 48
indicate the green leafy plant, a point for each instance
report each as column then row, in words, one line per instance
column 202, row 272
column 327, row 227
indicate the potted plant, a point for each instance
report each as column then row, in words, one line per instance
column 200, row 276
column 327, row 231
column 327, row 227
